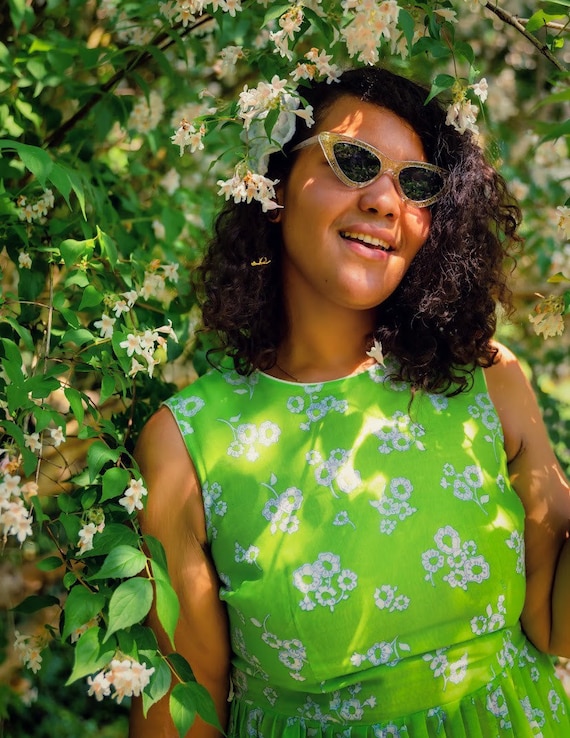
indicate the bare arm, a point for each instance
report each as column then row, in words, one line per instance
column 545, row 494
column 174, row 514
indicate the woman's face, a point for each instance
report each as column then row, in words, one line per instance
column 345, row 247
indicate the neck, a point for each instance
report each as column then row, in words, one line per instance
column 324, row 347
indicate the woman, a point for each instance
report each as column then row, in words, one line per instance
column 343, row 511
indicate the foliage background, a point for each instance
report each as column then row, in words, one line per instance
column 90, row 95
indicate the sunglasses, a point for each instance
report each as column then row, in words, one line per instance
column 357, row 164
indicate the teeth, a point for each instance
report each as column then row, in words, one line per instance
column 370, row 240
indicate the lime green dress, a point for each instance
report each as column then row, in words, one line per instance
column 371, row 556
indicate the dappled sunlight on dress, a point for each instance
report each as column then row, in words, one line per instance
column 371, row 555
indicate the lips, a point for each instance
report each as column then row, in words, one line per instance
column 367, row 240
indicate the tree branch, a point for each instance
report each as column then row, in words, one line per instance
column 513, row 21
column 57, row 136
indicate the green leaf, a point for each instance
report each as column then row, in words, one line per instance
column 115, row 481
column 113, row 534
column 156, row 550
column 167, row 604
column 441, row 82
column 33, row 603
column 182, row 708
column 50, row 563
column 186, row 700
column 121, row 562
column 72, row 250
column 90, row 654
column 539, row 19
column 130, row 603
column 181, row 667
column 159, row 682
column 80, row 607
column 91, row 297
column 98, row 455
column 35, row 159
column 75, row 399
column 108, row 246
column 557, row 278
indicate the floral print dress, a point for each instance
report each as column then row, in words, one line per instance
column 371, row 556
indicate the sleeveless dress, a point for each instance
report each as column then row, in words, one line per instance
column 371, row 554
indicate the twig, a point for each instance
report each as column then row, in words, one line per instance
column 513, row 21
column 56, row 138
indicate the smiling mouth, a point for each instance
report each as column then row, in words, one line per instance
column 368, row 241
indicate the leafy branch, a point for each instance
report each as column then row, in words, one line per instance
column 520, row 26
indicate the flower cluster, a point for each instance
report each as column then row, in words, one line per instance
column 29, row 650
column 144, row 344
column 462, row 113
column 187, row 135
column 547, row 319
column 95, row 524
column 373, row 21
column 132, row 497
column 186, row 12
column 127, row 678
column 564, row 220
column 35, row 210
column 15, row 518
column 248, row 187
column 146, row 114
column 318, row 65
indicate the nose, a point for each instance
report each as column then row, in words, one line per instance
column 381, row 197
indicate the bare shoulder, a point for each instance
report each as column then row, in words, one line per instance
column 513, row 397
column 175, row 496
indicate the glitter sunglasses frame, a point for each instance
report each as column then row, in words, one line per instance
column 328, row 140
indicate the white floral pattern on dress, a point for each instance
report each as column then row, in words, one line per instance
column 291, row 652
column 344, row 707
column 464, row 564
column 386, row 598
column 313, row 406
column 516, row 542
column 497, row 706
column 491, row 621
column 248, row 437
column 324, row 582
column 337, row 469
column 465, row 483
column 214, row 506
column 451, row 671
column 185, row 407
column 484, row 410
column 399, row 433
column 382, row 652
column 394, row 506
column 246, row 555
column 281, row 510
column 245, row 385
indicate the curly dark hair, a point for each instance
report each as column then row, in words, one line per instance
column 440, row 320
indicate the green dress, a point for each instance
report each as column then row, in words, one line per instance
column 371, row 556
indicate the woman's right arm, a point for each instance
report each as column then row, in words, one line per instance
column 174, row 514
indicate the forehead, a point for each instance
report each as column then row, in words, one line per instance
column 375, row 125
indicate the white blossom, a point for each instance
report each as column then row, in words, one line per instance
column 462, row 115
column 481, row 89
column 57, row 436
column 564, row 220
column 24, row 260
column 28, row 649
column 250, row 187
column 105, row 326
column 132, row 497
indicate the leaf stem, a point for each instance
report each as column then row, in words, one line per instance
column 515, row 22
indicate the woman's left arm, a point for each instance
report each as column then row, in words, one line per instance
column 545, row 493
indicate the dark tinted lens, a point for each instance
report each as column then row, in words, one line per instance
column 355, row 162
column 420, row 184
